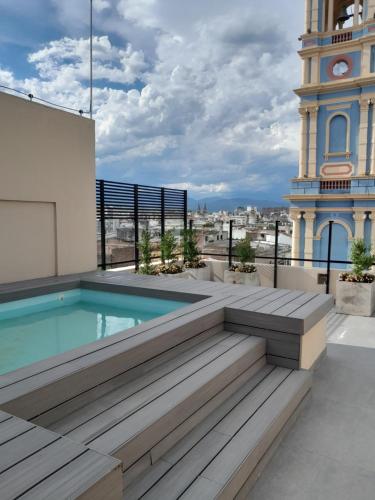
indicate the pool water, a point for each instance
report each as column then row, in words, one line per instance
column 40, row 327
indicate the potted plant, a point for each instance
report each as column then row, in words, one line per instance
column 243, row 272
column 355, row 292
column 195, row 267
column 168, row 250
column 145, row 248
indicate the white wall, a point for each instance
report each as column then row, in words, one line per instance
column 47, row 191
column 290, row 278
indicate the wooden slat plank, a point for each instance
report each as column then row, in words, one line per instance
column 232, row 466
column 145, row 428
column 9, row 429
column 97, row 424
column 282, row 301
column 292, row 306
column 264, row 321
column 266, row 301
column 101, row 414
column 198, row 431
column 27, row 444
column 26, row 474
column 83, row 399
column 4, row 416
column 253, row 295
column 75, row 478
column 263, row 333
column 186, row 467
column 225, row 399
column 314, row 310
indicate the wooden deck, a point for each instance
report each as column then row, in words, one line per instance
column 137, row 394
column 36, row 463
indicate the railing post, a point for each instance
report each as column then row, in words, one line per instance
column 102, row 224
column 136, row 227
column 191, row 224
column 230, row 252
column 162, row 221
column 329, row 255
column 276, row 254
column 185, row 209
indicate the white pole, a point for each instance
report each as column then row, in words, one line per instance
column 90, row 58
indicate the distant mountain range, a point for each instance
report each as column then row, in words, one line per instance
column 215, row 204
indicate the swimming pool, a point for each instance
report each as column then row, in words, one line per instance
column 40, row 327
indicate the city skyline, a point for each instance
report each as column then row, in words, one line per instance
column 190, row 98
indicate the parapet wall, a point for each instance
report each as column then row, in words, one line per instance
column 47, row 191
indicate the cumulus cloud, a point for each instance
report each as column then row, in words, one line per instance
column 211, row 106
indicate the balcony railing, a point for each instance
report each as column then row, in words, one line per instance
column 336, row 185
column 342, row 37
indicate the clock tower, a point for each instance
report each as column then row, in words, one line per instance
column 336, row 177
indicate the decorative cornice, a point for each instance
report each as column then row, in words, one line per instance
column 336, row 85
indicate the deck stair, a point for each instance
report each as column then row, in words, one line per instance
column 195, row 422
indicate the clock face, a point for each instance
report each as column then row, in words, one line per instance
column 340, row 68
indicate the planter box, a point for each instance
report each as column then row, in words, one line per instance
column 357, row 299
column 184, row 275
column 251, row 279
column 203, row 273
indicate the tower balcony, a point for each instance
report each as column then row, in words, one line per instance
column 324, row 186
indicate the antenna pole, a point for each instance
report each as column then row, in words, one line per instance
column 90, row 58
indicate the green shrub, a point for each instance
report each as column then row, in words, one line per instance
column 361, row 257
column 145, row 248
column 190, row 246
column 168, row 246
column 244, row 251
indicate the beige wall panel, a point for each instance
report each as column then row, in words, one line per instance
column 48, row 155
column 28, row 240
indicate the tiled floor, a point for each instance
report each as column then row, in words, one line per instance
column 330, row 452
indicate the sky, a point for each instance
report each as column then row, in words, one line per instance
column 193, row 94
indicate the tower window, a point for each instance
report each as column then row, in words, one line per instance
column 372, row 62
column 344, row 14
column 338, row 135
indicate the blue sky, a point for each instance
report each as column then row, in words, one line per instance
column 195, row 94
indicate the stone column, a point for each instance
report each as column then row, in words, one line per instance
column 356, row 13
column 359, row 217
column 315, row 16
column 372, row 218
column 330, row 15
column 362, row 141
column 296, row 236
column 372, row 161
column 312, row 144
column 309, row 236
column 307, row 15
column 303, row 147
column 371, row 9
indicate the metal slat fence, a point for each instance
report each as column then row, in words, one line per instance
column 120, row 201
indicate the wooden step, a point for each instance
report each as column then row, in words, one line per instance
column 133, row 418
column 217, row 457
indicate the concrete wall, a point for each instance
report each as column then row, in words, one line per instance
column 47, row 191
column 290, row 278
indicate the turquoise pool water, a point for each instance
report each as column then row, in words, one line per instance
column 40, row 327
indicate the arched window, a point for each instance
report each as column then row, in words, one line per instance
column 338, row 135
column 344, row 14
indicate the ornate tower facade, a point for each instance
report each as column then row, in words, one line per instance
column 336, row 178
